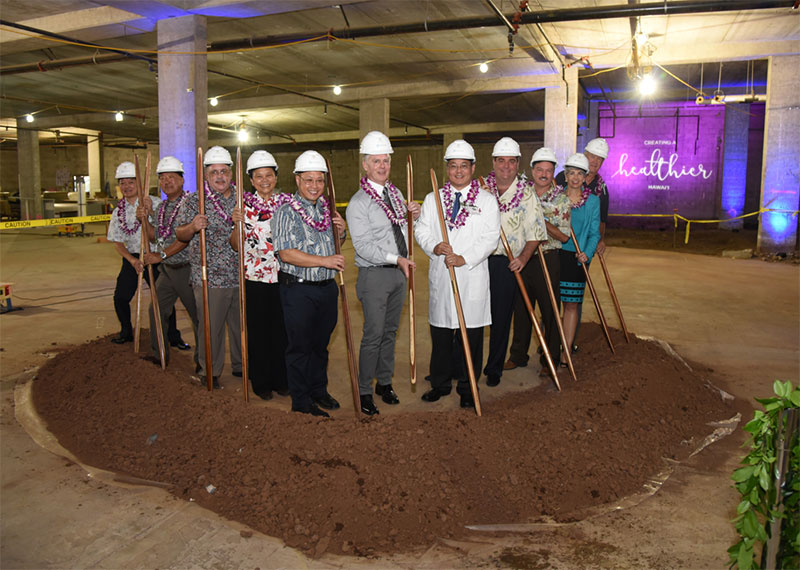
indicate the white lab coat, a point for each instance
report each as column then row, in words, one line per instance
column 475, row 241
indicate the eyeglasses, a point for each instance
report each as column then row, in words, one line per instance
column 311, row 181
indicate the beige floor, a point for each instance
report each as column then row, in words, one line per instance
column 740, row 318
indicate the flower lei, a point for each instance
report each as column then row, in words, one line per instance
column 266, row 209
column 211, row 195
column 165, row 229
column 519, row 191
column 551, row 193
column 321, row 225
column 600, row 187
column 394, row 197
column 121, row 207
column 466, row 204
column 585, row 193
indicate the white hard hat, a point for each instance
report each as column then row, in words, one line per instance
column 506, row 147
column 169, row 164
column 217, row 155
column 260, row 159
column 310, row 161
column 544, row 154
column 375, row 142
column 598, row 147
column 459, row 149
column 126, row 170
column 578, row 160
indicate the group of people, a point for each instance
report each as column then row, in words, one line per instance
column 291, row 264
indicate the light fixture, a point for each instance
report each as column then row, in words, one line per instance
column 484, row 67
column 29, row 118
column 242, row 135
column 337, row 90
column 647, row 85
column 325, row 109
column 214, row 101
column 118, row 116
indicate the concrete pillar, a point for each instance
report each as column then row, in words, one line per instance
column 182, row 92
column 30, row 178
column 561, row 116
column 373, row 115
column 777, row 231
column 95, row 152
column 734, row 165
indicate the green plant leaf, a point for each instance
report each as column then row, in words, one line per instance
column 745, row 558
column 750, row 525
column 743, row 507
column 779, row 388
column 763, row 478
column 743, row 473
column 795, row 398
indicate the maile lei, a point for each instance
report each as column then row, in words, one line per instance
column 519, row 191
column 214, row 199
column 466, row 206
column 165, row 228
column 121, row 207
column 269, row 207
column 321, row 225
column 585, row 193
column 395, row 197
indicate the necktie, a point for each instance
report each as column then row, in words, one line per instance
column 399, row 238
column 456, row 208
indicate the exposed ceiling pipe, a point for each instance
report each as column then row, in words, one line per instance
column 540, row 17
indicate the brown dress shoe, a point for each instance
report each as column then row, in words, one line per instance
column 511, row 365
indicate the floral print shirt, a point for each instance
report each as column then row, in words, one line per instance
column 260, row 263
column 557, row 211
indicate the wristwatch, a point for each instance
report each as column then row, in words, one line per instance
column 163, row 255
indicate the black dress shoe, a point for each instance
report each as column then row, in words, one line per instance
column 433, row 395
column 122, row 339
column 153, row 359
column 265, row 395
column 282, row 391
column 467, row 401
column 387, row 394
column 238, row 373
column 180, row 345
column 326, row 401
column 312, row 410
column 492, row 380
column 368, row 406
column 197, row 369
column 215, row 383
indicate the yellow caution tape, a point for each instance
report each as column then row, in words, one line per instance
column 19, row 224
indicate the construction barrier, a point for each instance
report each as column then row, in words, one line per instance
column 18, row 224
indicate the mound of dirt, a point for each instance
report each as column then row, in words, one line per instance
column 392, row 482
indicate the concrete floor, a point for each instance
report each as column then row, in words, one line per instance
column 738, row 317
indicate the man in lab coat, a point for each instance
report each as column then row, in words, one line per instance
column 473, row 226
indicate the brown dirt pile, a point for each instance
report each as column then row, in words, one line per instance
column 396, row 481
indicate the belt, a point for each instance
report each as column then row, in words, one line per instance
column 386, row 266
column 546, row 251
column 176, row 265
column 289, row 279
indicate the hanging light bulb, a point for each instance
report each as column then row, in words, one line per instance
column 29, row 118
column 214, row 101
column 118, row 116
column 337, row 90
column 484, row 67
column 647, row 85
column 243, row 135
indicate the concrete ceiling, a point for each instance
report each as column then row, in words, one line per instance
column 377, row 48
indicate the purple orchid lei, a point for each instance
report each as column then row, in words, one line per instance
column 395, row 197
column 519, row 191
column 165, row 228
column 121, row 207
column 269, row 207
column 585, row 193
column 466, row 204
column 212, row 197
column 321, row 225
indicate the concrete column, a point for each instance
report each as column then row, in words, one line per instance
column 373, row 115
column 777, row 231
column 183, row 92
column 30, row 178
column 734, row 165
column 95, row 152
column 561, row 116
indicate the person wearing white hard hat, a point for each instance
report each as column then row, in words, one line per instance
column 222, row 262
column 556, row 208
column 124, row 231
column 522, row 221
column 266, row 334
column 473, row 221
column 585, row 222
column 377, row 217
column 303, row 233
column 171, row 258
